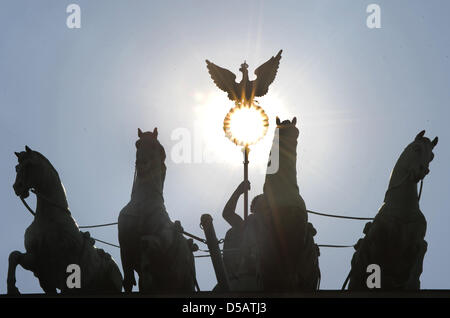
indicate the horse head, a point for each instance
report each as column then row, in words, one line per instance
column 417, row 156
column 287, row 127
column 32, row 172
column 150, row 157
column 422, row 156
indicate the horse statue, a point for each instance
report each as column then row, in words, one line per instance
column 150, row 243
column 277, row 253
column 395, row 239
column 53, row 241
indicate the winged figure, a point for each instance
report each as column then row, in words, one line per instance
column 246, row 90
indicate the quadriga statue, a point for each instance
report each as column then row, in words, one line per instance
column 150, row 243
column 53, row 241
column 394, row 241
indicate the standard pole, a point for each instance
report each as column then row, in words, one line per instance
column 246, row 151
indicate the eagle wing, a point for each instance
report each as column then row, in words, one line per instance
column 265, row 75
column 224, row 79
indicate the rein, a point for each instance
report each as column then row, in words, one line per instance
column 46, row 199
column 27, row 206
column 403, row 181
column 420, row 191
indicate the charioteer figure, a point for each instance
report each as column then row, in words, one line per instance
column 240, row 261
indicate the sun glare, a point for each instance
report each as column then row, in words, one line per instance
column 209, row 113
column 246, row 125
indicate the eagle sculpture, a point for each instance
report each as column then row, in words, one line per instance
column 246, row 90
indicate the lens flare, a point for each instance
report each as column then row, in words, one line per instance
column 246, row 124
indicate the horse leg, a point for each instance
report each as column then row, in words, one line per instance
column 26, row 260
column 153, row 249
column 128, row 272
column 149, row 244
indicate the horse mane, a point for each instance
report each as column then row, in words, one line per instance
column 162, row 157
column 47, row 161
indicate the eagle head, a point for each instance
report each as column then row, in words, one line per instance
column 244, row 67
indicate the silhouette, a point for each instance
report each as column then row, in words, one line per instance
column 246, row 90
column 240, row 265
column 150, row 243
column 53, row 240
column 289, row 258
column 395, row 239
column 277, row 250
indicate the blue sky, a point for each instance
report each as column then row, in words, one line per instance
column 360, row 96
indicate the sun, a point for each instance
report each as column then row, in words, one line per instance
column 246, row 124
